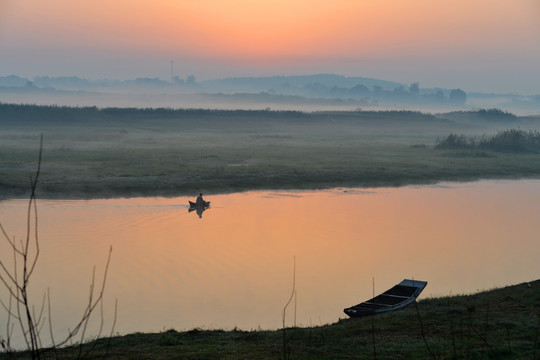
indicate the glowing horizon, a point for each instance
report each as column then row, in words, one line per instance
column 437, row 43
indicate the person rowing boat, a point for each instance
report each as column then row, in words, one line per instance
column 200, row 201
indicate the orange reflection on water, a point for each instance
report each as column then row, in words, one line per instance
column 234, row 266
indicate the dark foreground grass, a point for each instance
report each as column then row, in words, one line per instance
column 497, row 324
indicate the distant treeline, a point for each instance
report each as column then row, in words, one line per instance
column 67, row 113
column 511, row 140
column 482, row 114
column 17, row 113
column 400, row 94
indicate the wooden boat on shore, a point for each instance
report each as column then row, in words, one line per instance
column 395, row 298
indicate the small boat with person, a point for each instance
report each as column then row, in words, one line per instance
column 395, row 298
column 193, row 204
column 199, row 203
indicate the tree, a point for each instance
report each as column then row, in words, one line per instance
column 178, row 80
column 414, row 89
column 359, row 90
column 458, row 97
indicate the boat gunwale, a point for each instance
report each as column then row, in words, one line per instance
column 371, row 307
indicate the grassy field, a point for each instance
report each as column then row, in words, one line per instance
column 496, row 324
column 90, row 152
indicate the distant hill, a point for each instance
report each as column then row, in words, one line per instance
column 257, row 84
column 13, row 81
column 291, row 92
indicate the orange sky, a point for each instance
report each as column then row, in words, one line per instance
column 404, row 40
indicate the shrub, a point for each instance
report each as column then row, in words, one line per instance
column 454, row 141
column 513, row 141
column 509, row 141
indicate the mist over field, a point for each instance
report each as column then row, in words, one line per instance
column 305, row 93
column 117, row 151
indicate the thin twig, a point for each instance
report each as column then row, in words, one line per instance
column 50, row 320
column 292, row 292
column 422, row 330
column 112, row 328
column 88, row 311
column 373, row 323
column 11, row 243
column 6, row 344
column 285, row 309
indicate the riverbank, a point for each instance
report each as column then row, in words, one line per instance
column 104, row 153
column 414, row 171
column 496, row 324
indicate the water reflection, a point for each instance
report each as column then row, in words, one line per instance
column 234, row 269
column 198, row 209
column 200, row 205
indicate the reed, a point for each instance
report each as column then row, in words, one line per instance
column 286, row 348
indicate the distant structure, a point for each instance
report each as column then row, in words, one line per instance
column 172, row 71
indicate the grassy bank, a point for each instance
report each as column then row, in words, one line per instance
column 90, row 152
column 497, row 324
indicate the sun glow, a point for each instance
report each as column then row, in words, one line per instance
column 262, row 29
column 417, row 40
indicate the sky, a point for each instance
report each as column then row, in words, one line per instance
column 480, row 45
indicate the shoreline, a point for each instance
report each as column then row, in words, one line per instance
column 99, row 193
column 496, row 323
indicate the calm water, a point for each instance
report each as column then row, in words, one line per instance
column 233, row 267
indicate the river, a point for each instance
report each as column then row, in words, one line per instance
column 234, row 266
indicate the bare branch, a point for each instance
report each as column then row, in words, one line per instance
column 5, row 282
column 8, row 308
column 6, row 344
column 39, row 319
column 50, row 317
column 25, row 257
column 32, row 204
column 292, row 292
column 91, row 305
column 21, row 323
column 113, row 325
column 36, row 256
column 11, row 243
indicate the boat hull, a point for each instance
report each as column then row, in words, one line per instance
column 395, row 298
column 195, row 205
